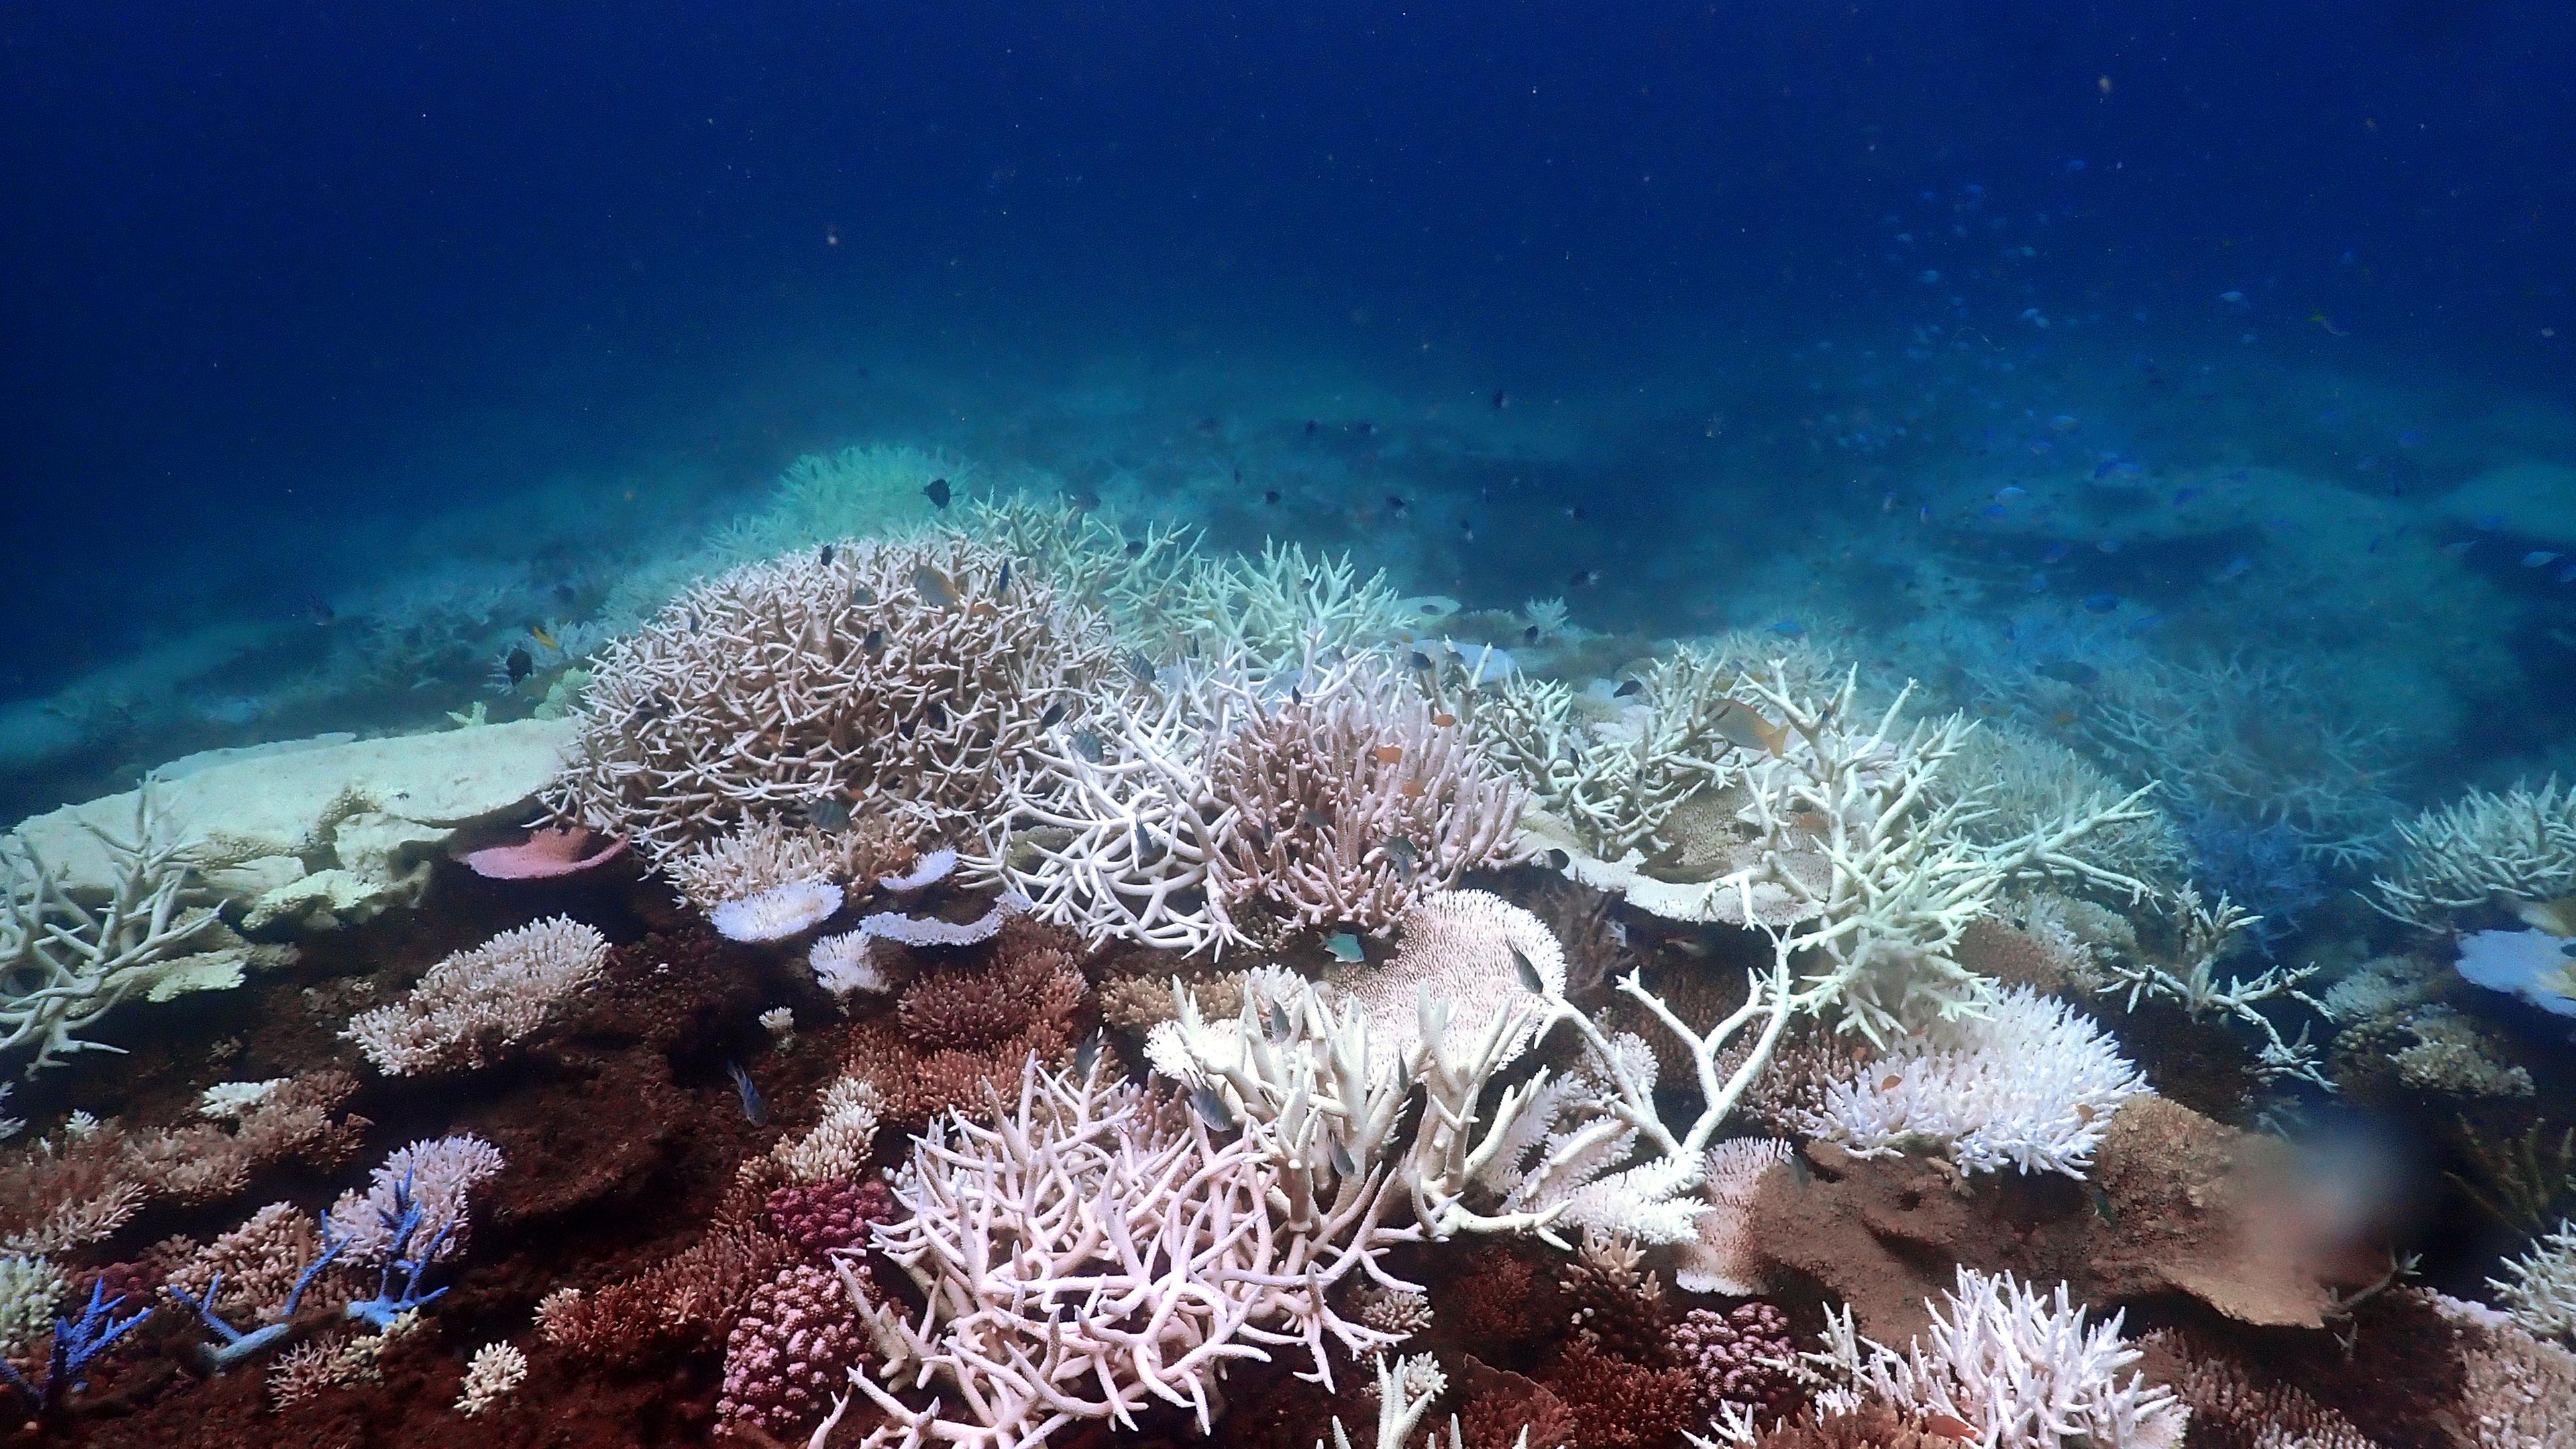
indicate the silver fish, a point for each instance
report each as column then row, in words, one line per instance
column 1211, row 1108
column 1531, row 981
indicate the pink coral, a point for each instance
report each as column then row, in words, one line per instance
column 791, row 1352
column 1740, row 1357
column 549, row 851
column 819, row 1217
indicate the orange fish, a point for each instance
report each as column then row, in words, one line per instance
column 2084, row 1112
column 1412, row 790
column 1747, row 730
column 1890, row 1082
column 538, row 633
column 1444, row 720
column 1949, row 1427
column 1388, row 754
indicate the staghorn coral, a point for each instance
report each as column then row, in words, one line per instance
column 1618, row 1305
column 908, row 672
column 2022, row 781
column 794, row 1347
column 67, row 961
column 2032, row 1084
column 2516, row 849
column 1272, row 610
column 478, row 1001
column 2539, row 1288
column 1137, row 1254
column 2018, row 1370
column 1870, row 1426
column 1352, row 801
column 766, row 853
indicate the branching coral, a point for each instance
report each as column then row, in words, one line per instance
column 478, row 1001
column 1094, row 1251
column 877, row 673
column 2028, row 1084
column 2017, row 1370
column 2205, row 933
column 2517, row 849
column 65, row 962
column 2539, row 1288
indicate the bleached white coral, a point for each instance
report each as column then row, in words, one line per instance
column 1723, row 1257
column 2517, row 848
column 840, row 1143
column 2030, row 1084
column 227, row 1101
column 777, row 913
column 437, row 1174
column 495, row 1370
column 1473, row 951
column 2019, row 1370
column 481, row 998
column 2539, row 1288
column 844, row 964
column 29, row 1289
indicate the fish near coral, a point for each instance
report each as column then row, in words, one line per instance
column 1745, row 729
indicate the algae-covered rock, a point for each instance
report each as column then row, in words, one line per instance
column 317, row 834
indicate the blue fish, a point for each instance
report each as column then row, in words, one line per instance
column 2055, row 552
column 1790, row 627
column 2538, row 558
column 2103, row 468
column 2185, row 495
column 2460, row 549
column 2009, row 492
column 2235, row 567
column 2101, row 603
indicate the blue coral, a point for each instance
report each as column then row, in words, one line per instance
column 75, row 1344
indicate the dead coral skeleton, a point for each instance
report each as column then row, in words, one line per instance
column 2517, row 848
column 2207, row 933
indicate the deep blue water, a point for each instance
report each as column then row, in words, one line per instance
column 290, row 285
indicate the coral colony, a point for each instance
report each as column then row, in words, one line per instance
column 1015, row 980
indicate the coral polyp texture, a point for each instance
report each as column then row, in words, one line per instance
column 478, row 1001
column 901, row 677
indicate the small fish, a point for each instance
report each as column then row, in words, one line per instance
column 1314, row 819
column 829, row 553
column 1086, row 743
column 934, row 586
column 1406, row 854
column 1890, row 1082
column 1270, row 496
column 1054, row 714
column 1002, row 584
column 861, row 595
column 1396, row 505
column 754, row 1111
column 1554, row 859
column 2102, row 1208
column 874, row 641
column 518, row 665
column 2108, row 545
column 1342, row 1160
column 1135, row 548
column 1502, row 400
column 1584, row 578
column 651, row 707
column 1086, row 1057
column 1140, row 668
column 2101, row 603
column 2070, row 671
column 1345, row 948
column 936, row 490
column 1211, row 1108
column 1951, row 1427
column 1311, row 426
column 1279, row 1022
column 1531, row 981
column 1388, row 754
column 2232, row 298
column 1789, row 628
column 1748, row 730
column 2103, row 469
column 1443, row 720
column 2009, row 492
column 1418, row 660
column 1626, row 689
column 538, row 631
column 2460, row 549
column 1530, row 634
column 827, row 813
column 2539, row 558
column 2236, row 567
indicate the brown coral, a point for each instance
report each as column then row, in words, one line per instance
column 1501, row 1407
column 963, row 1030
column 1871, row 1426
column 689, row 1299
column 1618, row 1404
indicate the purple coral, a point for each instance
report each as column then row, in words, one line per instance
column 1740, row 1357
column 790, row 1352
column 821, row 1216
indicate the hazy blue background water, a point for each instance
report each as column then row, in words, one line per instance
column 290, row 284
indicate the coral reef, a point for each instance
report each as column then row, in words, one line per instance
column 477, row 1002
column 2516, row 849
